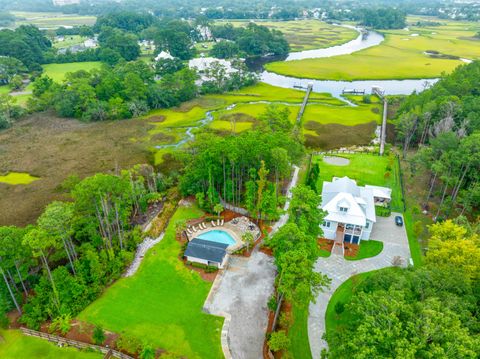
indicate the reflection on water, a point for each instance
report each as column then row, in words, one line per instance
column 363, row 41
column 391, row 87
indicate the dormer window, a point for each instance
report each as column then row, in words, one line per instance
column 343, row 209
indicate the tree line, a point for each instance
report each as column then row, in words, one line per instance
column 245, row 169
column 56, row 267
column 441, row 126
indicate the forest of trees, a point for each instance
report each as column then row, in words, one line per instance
column 425, row 312
column 441, row 125
column 252, row 40
column 245, row 169
column 384, row 18
column 64, row 261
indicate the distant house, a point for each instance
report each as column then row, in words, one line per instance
column 203, row 65
column 350, row 209
column 90, row 43
column 206, row 252
column 65, row 2
column 163, row 56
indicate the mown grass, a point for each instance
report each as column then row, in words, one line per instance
column 57, row 72
column 15, row 345
column 365, row 169
column 400, row 56
column 16, row 178
column 162, row 303
column 69, row 41
column 309, row 34
column 368, row 249
column 298, row 334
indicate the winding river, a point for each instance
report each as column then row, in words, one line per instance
column 363, row 41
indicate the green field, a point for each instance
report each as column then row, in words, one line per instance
column 162, row 303
column 58, row 71
column 400, row 56
column 15, row 345
column 69, row 41
column 51, row 20
column 365, row 169
column 309, row 34
column 15, row 178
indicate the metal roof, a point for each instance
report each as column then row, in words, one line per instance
column 207, row 250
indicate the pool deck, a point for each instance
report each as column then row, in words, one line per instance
column 233, row 230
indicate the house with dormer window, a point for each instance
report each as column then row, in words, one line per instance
column 350, row 209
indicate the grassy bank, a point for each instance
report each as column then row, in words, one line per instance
column 400, row 56
column 162, row 303
column 15, row 345
column 309, row 34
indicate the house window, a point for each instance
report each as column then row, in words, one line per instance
column 343, row 209
column 367, row 225
column 326, row 224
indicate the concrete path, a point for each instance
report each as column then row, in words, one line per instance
column 240, row 294
column 395, row 243
column 243, row 294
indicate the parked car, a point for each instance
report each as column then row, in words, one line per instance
column 399, row 221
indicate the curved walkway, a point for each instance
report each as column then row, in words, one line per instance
column 395, row 244
column 240, row 294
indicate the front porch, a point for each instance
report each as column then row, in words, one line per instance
column 348, row 233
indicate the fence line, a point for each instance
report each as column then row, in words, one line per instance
column 74, row 343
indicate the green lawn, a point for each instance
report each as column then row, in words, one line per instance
column 15, row 345
column 400, row 56
column 343, row 294
column 366, row 169
column 309, row 34
column 68, row 41
column 58, row 71
column 368, row 248
column 324, row 253
column 298, row 334
column 15, row 178
column 162, row 303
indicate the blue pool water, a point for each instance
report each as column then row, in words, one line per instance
column 217, row 236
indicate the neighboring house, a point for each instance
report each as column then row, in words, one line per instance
column 350, row 209
column 163, row 56
column 90, row 43
column 65, row 2
column 207, row 252
column 206, row 65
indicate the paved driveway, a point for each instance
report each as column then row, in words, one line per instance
column 242, row 293
column 395, row 243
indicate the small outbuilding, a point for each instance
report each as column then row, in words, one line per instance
column 206, row 252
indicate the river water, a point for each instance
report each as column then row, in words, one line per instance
column 363, row 41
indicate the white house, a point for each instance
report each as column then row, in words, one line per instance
column 164, row 56
column 350, row 209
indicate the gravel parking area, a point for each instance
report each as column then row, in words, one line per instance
column 243, row 293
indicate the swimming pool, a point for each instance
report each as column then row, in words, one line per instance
column 217, row 236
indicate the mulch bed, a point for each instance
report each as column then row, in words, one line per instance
column 325, row 244
column 351, row 250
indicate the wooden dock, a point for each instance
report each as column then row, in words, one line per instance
column 304, row 103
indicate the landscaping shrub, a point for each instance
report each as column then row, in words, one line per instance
column 272, row 303
column 278, row 341
column 98, row 335
column 61, row 324
column 147, row 352
column 339, row 307
column 129, row 344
